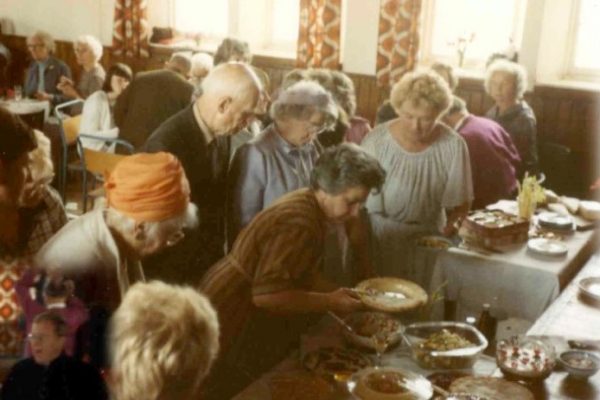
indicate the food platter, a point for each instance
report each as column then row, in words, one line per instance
column 391, row 294
column 491, row 388
column 365, row 325
column 547, row 247
column 590, row 287
column 336, row 362
column 388, row 383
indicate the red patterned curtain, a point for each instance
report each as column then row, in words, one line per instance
column 130, row 33
column 398, row 40
column 319, row 36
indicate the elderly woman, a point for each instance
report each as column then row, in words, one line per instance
column 45, row 72
column 505, row 82
column 232, row 50
column 429, row 176
column 37, row 212
column 148, row 208
column 345, row 95
column 281, row 158
column 97, row 116
column 88, row 51
column 173, row 332
column 272, row 277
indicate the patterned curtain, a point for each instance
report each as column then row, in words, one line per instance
column 130, row 33
column 398, row 40
column 319, row 36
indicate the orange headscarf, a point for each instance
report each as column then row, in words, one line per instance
column 148, row 187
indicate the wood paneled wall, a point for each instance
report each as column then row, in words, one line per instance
column 566, row 116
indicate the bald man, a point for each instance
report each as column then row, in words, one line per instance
column 231, row 97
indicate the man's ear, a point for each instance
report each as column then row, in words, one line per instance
column 224, row 104
column 139, row 231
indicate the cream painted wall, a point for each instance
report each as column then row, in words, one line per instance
column 360, row 25
column 64, row 19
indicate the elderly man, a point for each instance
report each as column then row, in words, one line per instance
column 152, row 98
column 494, row 157
column 172, row 333
column 232, row 96
column 50, row 374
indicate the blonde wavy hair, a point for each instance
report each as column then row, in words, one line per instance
column 423, row 88
column 164, row 339
column 40, row 160
column 512, row 68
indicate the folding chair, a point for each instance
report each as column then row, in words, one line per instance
column 69, row 130
column 97, row 162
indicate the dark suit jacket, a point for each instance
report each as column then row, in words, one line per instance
column 54, row 70
column 149, row 101
column 206, row 169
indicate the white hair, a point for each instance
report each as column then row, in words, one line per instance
column 46, row 38
column 518, row 71
column 201, row 64
column 301, row 100
column 187, row 219
column 164, row 339
column 94, row 45
column 40, row 159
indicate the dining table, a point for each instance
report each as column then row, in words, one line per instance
column 516, row 282
column 26, row 106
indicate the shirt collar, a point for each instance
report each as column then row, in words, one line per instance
column 206, row 132
column 289, row 148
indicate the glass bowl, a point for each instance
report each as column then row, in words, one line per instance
column 443, row 357
column 525, row 358
column 580, row 363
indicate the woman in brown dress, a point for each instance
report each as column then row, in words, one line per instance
column 270, row 281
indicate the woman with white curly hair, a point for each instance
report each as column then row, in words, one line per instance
column 506, row 82
column 429, row 175
column 281, row 158
column 88, row 51
column 164, row 339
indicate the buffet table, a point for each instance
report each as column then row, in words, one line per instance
column 515, row 282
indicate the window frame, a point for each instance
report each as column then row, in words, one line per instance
column 471, row 65
column 570, row 71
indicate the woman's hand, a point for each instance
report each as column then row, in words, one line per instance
column 344, row 300
column 43, row 96
column 67, row 87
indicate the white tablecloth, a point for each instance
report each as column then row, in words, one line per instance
column 27, row 106
column 516, row 283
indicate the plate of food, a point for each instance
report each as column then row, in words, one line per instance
column 336, row 362
column 366, row 325
column 391, row 294
column 491, row 388
column 554, row 220
column 547, row 247
column 525, row 358
column 388, row 383
column 590, row 287
column 434, row 242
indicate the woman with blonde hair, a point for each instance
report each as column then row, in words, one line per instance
column 429, row 175
column 163, row 341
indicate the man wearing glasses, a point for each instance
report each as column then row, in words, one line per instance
column 50, row 373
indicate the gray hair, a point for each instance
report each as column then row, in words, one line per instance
column 302, row 100
column 94, row 45
column 516, row 70
column 187, row 219
column 201, row 64
column 180, row 62
column 343, row 90
column 172, row 331
column 345, row 166
column 46, row 38
column 458, row 105
column 229, row 48
column 294, row 76
column 422, row 88
column 446, row 70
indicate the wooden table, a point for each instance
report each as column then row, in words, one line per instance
column 570, row 317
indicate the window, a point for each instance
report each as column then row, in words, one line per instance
column 269, row 26
column 467, row 32
column 584, row 46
